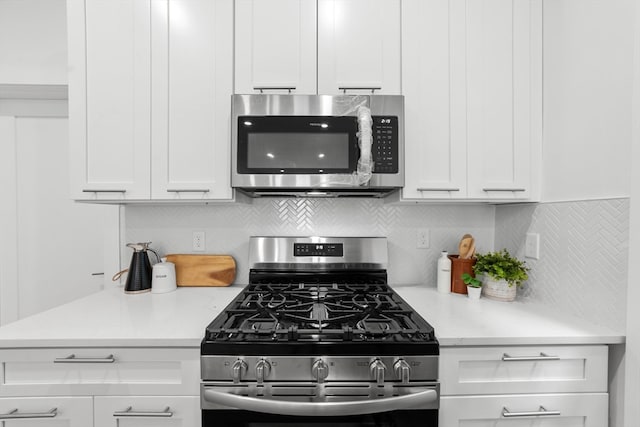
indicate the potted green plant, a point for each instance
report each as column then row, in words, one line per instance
column 474, row 286
column 501, row 274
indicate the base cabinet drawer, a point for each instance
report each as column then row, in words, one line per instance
column 46, row 411
column 523, row 369
column 99, row 371
column 539, row 410
column 147, row 411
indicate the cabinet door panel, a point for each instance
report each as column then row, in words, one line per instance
column 575, row 410
column 275, row 46
column 359, row 46
column 192, row 69
column 69, row 411
column 435, row 144
column 160, row 411
column 109, row 98
column 500, row 48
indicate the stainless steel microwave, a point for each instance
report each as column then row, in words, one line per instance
column 317, row 145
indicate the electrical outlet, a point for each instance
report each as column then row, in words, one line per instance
column 532, row 246
column 422, row 238
column 199, row 241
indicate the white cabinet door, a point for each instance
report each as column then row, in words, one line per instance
column 46, row 411
column 147, row 411
column 570, row 410
column 359, row 48
column 503, row 81
column 435, row 138
column 109, row 98
column 192, row 68
column 275, row 46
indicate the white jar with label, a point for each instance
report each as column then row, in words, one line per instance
column 444, row 273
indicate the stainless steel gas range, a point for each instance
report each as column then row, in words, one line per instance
column 319, row 338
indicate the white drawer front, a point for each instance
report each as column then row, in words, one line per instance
column 46, row 411
column 147, row 411
column 572, row 410
column 500, row 370
column 99, row 371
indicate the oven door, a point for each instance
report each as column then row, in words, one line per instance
column 320, row 405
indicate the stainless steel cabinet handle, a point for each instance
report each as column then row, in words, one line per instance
column 437, row 189
column 542, row 412
column 344, row 89
column 103, row 191
column 263, row 88
column 204, row 190
column 129, row 412
column 543, row 356
column 328, row 409
column 73, row 359
column 15, row 415
column 504, row 189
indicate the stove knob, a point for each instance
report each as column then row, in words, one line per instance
column 263, row 369
column 320, row 370
column 402, row 370
column 238, row 369
column 377, row 371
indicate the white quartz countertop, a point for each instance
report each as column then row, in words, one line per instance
column 178, row 319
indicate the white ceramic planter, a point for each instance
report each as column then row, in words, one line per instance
column 474, row 293
column 498, row 290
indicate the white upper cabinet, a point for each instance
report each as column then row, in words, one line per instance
column 503, row 62
column 472, row 84
column 149, row 96
column 353, row 44
column 359, row 47
column 275, row 46
column 109, row 99
column 192, row 70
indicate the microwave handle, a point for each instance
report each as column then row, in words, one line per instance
column 315, row 409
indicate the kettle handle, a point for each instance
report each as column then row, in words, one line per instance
column 155, row 253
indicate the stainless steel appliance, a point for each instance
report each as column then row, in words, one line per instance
column 319, row 338
column 317, row 145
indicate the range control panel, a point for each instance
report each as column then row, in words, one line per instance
column 385, row 144
column 318, row 249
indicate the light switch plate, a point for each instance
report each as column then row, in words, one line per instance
column 532, row 246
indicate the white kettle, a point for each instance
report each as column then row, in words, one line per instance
column 163, row 277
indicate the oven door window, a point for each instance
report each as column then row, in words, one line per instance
column 239, row 418
column 297, row 144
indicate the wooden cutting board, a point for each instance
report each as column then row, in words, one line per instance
column 203, row 270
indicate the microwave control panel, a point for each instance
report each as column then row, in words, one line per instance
column 384, row 148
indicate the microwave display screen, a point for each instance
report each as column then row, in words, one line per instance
column 290, row 151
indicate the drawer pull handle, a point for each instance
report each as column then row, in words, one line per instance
column 543, row 356
column 438, row 189
column 503, row 189
column 344, row 89
column 15, row 415
column 129, row 412
column 73, row 359
column 204, row 190
column 103, row 191
column 542, row 412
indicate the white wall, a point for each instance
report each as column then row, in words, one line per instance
column 33, row 42
column 588, row 50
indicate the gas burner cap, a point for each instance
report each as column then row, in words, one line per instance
column 373, row 325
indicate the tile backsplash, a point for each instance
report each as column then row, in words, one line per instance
column 583, row 262
column 228, row 228
column 582, row 268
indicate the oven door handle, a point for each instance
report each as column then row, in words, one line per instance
column 330, row 409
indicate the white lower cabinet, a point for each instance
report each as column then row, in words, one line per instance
column 147, row 411
column 541, row 386
column 101, row 386
column 46, row 411
column 539, row 410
